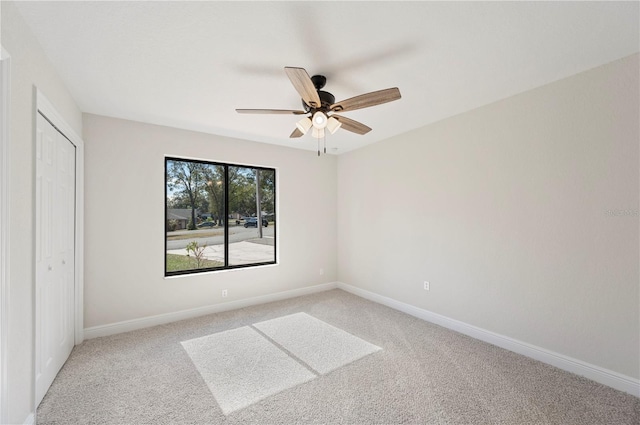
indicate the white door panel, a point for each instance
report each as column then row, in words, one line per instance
column 55, row 253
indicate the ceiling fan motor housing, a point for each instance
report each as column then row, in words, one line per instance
column 326, row 98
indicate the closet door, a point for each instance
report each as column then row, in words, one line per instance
column 55, row 253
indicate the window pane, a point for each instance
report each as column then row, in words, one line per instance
column 212, row 212
column 251, row 195
column 195, row 237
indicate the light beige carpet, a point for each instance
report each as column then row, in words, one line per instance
column 425, row 374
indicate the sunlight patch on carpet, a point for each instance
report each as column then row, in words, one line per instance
column 242, row 367
column 321, row 346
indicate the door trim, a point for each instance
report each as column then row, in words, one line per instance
column 5, row 86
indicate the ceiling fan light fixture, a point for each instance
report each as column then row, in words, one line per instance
column 333, row 125
column 319, row 120
column 304, row 125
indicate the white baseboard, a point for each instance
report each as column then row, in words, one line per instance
column 31, row 419
column 595, row 373
column 161, row 319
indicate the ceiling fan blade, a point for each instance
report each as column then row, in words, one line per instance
column 366, row 100
column 270, row 111
column 352, row 125
column 296, row 133
column 304, row 86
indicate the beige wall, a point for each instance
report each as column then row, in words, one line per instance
column 29, row 68
column 506, row 210
column 124, row 220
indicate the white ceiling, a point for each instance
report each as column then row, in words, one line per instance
column 190, row 64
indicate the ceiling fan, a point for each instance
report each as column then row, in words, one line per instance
column 320, row 107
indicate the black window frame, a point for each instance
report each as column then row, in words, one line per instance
column 226, row 266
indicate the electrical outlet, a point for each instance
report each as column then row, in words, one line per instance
column 321, row 272
column 426, row 285
column 224, row 293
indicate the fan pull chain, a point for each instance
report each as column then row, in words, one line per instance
column 318, row 146
column 324, row 138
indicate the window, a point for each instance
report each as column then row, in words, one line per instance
column 212, row 213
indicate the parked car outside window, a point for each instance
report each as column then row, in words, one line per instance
column 206, row 224
column 253, row 222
